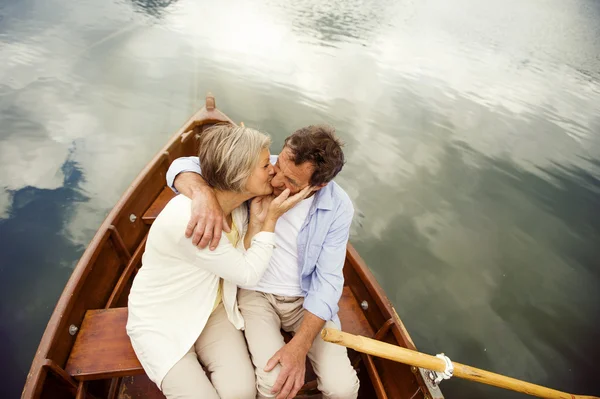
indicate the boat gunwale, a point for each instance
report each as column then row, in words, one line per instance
column 383, row 303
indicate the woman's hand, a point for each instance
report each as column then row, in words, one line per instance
column 284, row 202
column 259, row 208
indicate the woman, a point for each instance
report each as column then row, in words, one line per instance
column 182, row 305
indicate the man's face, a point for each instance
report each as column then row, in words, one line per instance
column 289, row 175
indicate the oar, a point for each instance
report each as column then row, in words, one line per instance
column 418, row 359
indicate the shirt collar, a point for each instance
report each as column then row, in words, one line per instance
column 324, row 198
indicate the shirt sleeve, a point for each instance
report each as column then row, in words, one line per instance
column 327, row 282
column 166, row 239
column 231, row 264
column 180, row 165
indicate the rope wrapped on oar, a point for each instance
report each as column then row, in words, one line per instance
column 441, row 365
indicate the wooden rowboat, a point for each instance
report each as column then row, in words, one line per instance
column 85, row 351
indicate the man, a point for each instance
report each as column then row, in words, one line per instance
column 301, row 289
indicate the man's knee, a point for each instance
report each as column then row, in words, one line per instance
column 238, row 389
column 340, row 385
column 236, row 383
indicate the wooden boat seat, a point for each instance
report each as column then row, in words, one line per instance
column 102, row 348
column 159, row 203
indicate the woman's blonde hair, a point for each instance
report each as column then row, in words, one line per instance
column 228, row 155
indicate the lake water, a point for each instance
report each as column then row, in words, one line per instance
column 472, row 133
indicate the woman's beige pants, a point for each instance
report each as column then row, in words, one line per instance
column 221, row 348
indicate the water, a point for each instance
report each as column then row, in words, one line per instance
column 472, row 135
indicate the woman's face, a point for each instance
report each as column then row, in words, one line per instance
column 259, row 182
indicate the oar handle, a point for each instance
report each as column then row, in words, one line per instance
column 418, row 359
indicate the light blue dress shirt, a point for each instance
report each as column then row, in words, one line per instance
column 321, row 243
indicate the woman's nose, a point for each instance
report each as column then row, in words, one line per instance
column 271, row 170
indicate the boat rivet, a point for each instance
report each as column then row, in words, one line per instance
column 132, row 218
column 364, row 305
column 73, row 329
column 413, row 369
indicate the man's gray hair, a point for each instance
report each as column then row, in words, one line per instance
column 228, row 155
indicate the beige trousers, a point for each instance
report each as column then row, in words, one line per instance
column 265, row 315
column 221, row 348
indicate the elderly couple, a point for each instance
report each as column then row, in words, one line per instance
column 218, row 303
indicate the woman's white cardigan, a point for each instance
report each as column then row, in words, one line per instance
column 173, row 294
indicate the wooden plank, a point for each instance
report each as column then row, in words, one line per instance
column 139, row 387
column 132, row 228
column 119, row 244
column 352, row 316
column 102, row 348
column 398, row 380
column 361, row 279
column 126, row 275
column 375, row 378
column 158, row 205
column 81, row 391
column 115, row 383
column 93, row 293
column 59, row 372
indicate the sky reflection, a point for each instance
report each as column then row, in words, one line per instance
column 472, row 147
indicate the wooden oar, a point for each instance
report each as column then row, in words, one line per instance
column 418, row 359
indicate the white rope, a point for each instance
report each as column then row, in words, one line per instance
column 416, row 392
column 448, row 372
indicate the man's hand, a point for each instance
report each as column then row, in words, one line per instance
column 207, row 220
column 292, row 358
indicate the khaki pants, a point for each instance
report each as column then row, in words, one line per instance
column 264, row 315
column 222, row 349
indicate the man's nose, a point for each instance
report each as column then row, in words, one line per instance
column 277, row 180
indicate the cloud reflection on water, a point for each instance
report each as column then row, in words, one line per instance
column 511, row 248
column 100, row 87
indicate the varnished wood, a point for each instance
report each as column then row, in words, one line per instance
column 159, row 203
column 59, row 372
column 102, row 348
column 418, row 359
column 309, row 388
column 365, row 288
column 119, row 243
column 351, row 316
column 80, row 390
column 113, row 390
column 94, row 293
column 139, row 387
column 105, row 272
column 126, row 275
column 383, row 330
column 375, row 378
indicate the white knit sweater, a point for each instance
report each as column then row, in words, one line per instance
column 173, row 294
